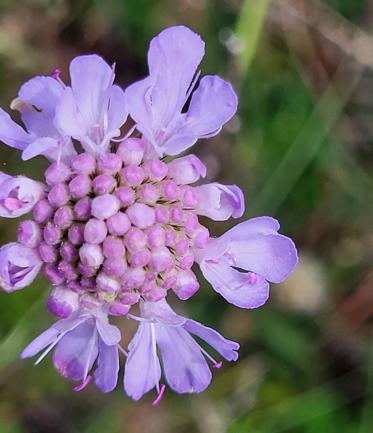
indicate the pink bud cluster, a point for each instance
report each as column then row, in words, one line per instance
column 116, row 228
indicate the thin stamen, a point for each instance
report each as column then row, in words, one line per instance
column 124, row 351
column 160, row 395
column 215, row 363
column 49, row 348
column 84, row 384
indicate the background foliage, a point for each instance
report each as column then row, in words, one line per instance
column 300, row 147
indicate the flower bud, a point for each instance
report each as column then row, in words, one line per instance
column 118, row 224
column 84, row 163
column 115, row 267
column 131, row 151
column 29, row 233
column 82, row 209
column 109, row 163
column 91, row 255
column 59, row 195
column 186, row 285
column 161, row 260
column 132, row 175
column 95, row 231
column 62, row 302
column 42, row 212
column 63, row 217
column 104, row 206
column 113, row 248
column 135, row 240
column 155, row 169
column 103, row 184
column 56, row 173
column 141, row 215
column 52, row 234
column 48, row 253
column 187, row 169
column 125, row 195
column 80, row 186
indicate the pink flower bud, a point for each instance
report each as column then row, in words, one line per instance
column 162, row 214
column 118, row 224
column 189, row 198
column 91, row 255
column 141, row 215
column 42, row 212
column 155, row 169
column 156, row 236
column 113, row 248
column 109, row 163
column 48, row 253
column 53, row 275
column 68, row 252
column 106, row 283
column 59, row 195
column 187, row 169
column 134, row 278
column 117, row 309
column 88, row 273
column 62, row 302
column 170, row 190
column 104, row 206
column 140, row 258
column 67, row 270
column 76, row 234
column 129, row 298
column 103, row 184
column 63, row 217
column 115, row 267
column 186, row 285
column 149, row 193
column 131, row 151
column 125, row 195
column 176, row 214
column 52, row 234
column 29, row 233
column 156, row 294
column 132, row 175
column 95, row 231
column 82, row 209
column 80, row 186
column 84, row 163
column 56, row 173
column 161, row 259
column 135, row 240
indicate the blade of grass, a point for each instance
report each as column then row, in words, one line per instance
column 248, row 30
column 308, row 143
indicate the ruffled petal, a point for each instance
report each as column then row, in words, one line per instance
column 212, row 105
column 173, row 58
column 261, row 225
column 219, row 202
column 142, row 371
column 241, row 289
column 117, row 112
column 106, row 374
column 68, row 118
column 91, row 79
column 161, row 312
column 76, row 352
column 185, row 367
column 187, row 169
column 110, row 334
column 18, row 195
column 40, row 342
column 226, row 348
column 41, row 94
column 272, row 256
column 54, row 150
column 12, row 134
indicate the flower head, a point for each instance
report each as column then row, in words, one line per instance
column 116, row 225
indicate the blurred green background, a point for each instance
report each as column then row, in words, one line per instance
column 301, row 149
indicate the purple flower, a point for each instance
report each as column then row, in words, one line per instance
column 19, row 266
column 156, row 102
column 255, row 246
column 78, row 342
column 117, row 226
column 18, row 195
column 183, row 359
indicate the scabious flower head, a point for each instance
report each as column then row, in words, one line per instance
column 115, row 226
